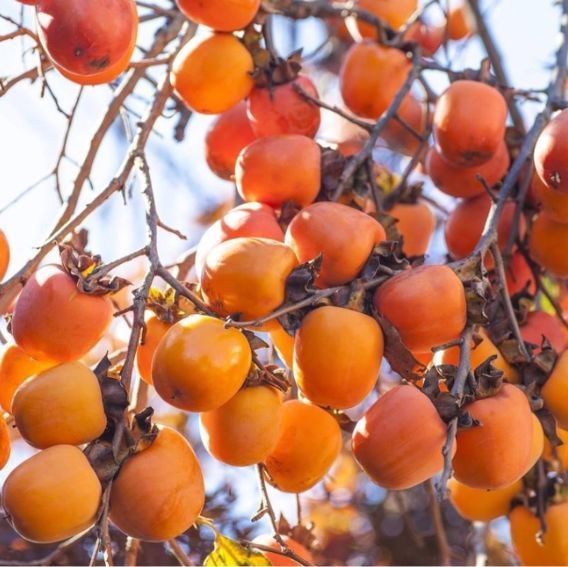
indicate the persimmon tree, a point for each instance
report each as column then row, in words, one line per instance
column 308, row 333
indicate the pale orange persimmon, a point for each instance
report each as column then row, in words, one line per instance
column 225, row 139
column 554, row 392
column 539, row 324
column 159, row 491
column 4, row 254
column 15, row 367
column 416, row 223
column 399, row 441
column 54, row 321
column 550, row 151
column 199, row 365
column 495, row 454
column 155, row 330
column 244, row 431
column 263, row 171
column 281, row 109
column 308, row 443
column 426, row 305
column 60, row 406
column 337, row 356
column 469, row 122
column 220, row 15
column 284, row 344
column 53, row 495
column 459, row 181
column 211, row 73
column 278, row 559
column 343, row 235
column 460, row 23
column 547, row 245
column 393, row 12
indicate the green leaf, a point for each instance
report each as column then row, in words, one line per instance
column 229, row 552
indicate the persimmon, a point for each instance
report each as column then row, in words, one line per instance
column 428, row 37
column 211, row 73
column 155, row 330
column 559, row 453
column 308, row 443
column 398, row 137
column 60, row 406
column 426, row 305
column 88, row 38
column 247, row 276
column 460, row 23
column 16, row 366
column 199, row 365
column 343, row 235
column 399, row 440
column 554, row 392
column 225, row 139
column 263, row 171
column 550, row 151
column 539, row 324
column 480, row 353
column 532, row 545
column 465, row 225
column 547, row 243
column 394, row 12
column 53, row 495
column 278, row 559
column 54, row 321
column 495, row 454
column 537, row 443
column 281, row 109
column 337, row 356
column 4, row 254
column 244, row 431
column 553, row 203
column 518, row 275
column 469, row 122
column 159, row 492
column 459, row 181
column 416, row 223
column 284, row 344
column 5, row 445
column 248, row 219
column 478, row 505
column 371, row 76
column 220, row 15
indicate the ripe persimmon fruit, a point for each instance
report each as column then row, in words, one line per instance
column 428, row 37
column 343, row 235
column 416, row 223
column 211, row 73
column 399, row 440
column 159, row 492
column 553, row 203
column 283, row 342
column 555, row 389
column 539, row 324
column 518, row 275
column 53, row 495
column 337, row 356
column 220, row 15
column 550, row 151
column 4, row 254
column 398, row 136
column 460, row 23
column 263, row 171
column 548, row 240
column 244, row 431
column 54, row 321
column 308, row 443
column 277, row 558
column 394, row 12
column 5, row 444
column 199, row 365
column 155, row 330
column 559, row 453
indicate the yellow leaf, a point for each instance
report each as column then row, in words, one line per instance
column 230, row 552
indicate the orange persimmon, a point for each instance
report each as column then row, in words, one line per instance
column 219, row 14
column 416, row 223
column 548, row 240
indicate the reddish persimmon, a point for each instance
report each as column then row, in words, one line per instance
column 277, row 558
column 398, row 136
column 337, row 356
column 53, row 495
column 416, row 223
column 553, row 203
column 429, row 38
column 54, row 321
column 394, row 12
column 343, row 235
column 199, row 365
column 89, row 37
column 227, row 136
column 555, row 391
column 399, row 441
column 263, row 171
column 370, row 77
column 219, row 14
column 460, row 23
column 60, row 406
column 495, row 454
column 459, row 181
column 247, row 276
column 159, row 492
column 540, row 324
column 4, row 255
column 283, row 110
column 155, row 330
column 308, row 444
column 519, row 275
column 548, row 241
column 477, row 505
column 426, row 305
column 469, row 122
column 550, row 153
column 244, row 431
column 211, row 73
column 248, row 219
column 15, row 367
